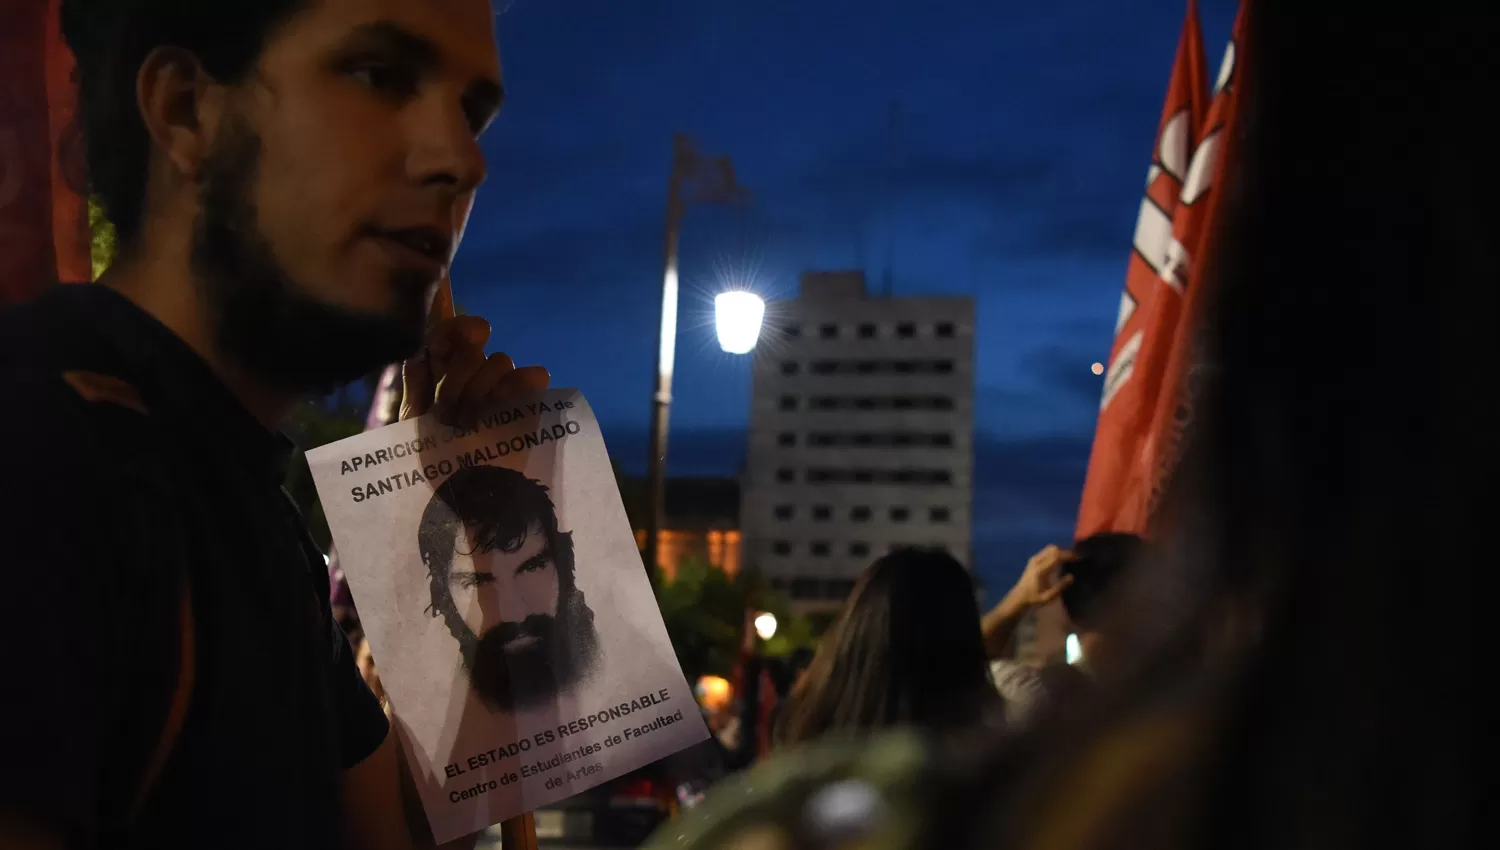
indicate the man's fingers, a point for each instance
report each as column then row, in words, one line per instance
column 514, row 386
column 473, row 399
column 416, row 386
column 457, row 355
column 530, row 380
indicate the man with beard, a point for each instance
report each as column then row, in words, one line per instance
column 501, row 575
column 288, row 180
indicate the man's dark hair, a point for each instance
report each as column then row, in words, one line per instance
column 500, row 507
column 1098, row 561
column 111, row 38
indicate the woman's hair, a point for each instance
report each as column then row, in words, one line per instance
column 905, row 651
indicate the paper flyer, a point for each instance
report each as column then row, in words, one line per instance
column 500, row 587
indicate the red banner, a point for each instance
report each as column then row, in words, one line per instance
column 44, row 235
column 1149, row 306
column 1192, row 228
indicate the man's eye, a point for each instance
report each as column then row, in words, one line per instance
column 387, row 79
column 531, row 566
column 475, row 579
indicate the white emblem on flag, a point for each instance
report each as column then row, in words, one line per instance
column 1200, row 174
column 1121, row 367
column 1127, row 309
column 1153, row 230
column 1173, row 147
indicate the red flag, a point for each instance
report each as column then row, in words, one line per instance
column 44, row 234
column 1148, row 306
column 1192, row 227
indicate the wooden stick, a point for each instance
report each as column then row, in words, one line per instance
column 518, row 833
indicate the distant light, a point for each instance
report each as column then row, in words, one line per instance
column 713, row 692
column 765, row 625
column 1097, row 368
column 738, row 316
column 1075, row 650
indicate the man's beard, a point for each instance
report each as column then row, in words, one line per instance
column 562, row 653
column 264, row 322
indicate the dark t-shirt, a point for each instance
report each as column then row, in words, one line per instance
column 106, row 510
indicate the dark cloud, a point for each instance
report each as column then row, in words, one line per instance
column 855, row 175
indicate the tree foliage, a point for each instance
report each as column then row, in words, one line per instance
column 704, row 611
column 101, row 238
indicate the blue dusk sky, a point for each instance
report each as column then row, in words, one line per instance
column 996, row 149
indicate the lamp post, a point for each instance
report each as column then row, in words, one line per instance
column 694, row 179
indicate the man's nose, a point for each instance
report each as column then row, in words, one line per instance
column 444, row 151
column 504, row 604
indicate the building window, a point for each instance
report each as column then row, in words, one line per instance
column 789, row 367
column 785, row 475
column 819, row 549
column 794, row 330
column 906, row 330
column 805, row 588
column 945, row 329
column 778, row 583
column 900, row 514
column 786, row 438
column 788, row 402
column 940, row 514
column 943, row 440
column 838, row 588
column 859, row 550
column 784, row 512
column 859, row 513
column 866, row 331
column 943, row 367
column 781, row 547
column 822, row 512
column 829, row 331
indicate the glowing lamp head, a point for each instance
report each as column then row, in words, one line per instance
column 765, row 625
column 738, row 316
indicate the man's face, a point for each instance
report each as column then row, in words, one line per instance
column 510, row 594
column 515, row 641
column 339, row 181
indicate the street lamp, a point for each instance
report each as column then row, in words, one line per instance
column 737, row 318
column 694, row 179
column 765, row 625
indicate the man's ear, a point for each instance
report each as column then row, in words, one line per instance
column 180, row 103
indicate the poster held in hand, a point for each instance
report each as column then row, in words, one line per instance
column 501, row 590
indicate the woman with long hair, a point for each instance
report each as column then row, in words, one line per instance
column 905, row 651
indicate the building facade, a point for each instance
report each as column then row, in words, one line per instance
column 861, row 435
column 701, row 521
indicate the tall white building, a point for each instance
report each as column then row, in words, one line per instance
column 861, row 435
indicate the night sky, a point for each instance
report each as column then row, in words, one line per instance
column 997, row 149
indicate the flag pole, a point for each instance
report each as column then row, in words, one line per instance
column 519, row 832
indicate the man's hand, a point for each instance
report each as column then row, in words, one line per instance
column 1039, row 584
column 452, row 376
